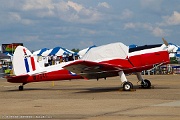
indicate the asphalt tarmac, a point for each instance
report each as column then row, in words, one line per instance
column 92, row 100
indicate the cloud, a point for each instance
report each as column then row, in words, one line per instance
column 43, row 8
column 84, row 31
column 71, row 21
column 122, row 15
column 148, row 3
column 153, row 5
column 75, row 6
column 129, row 26
column 126, row 14
column 16, row 18
column 28, row 11
column 154, row 30
column 68, row 11
column 138, row 25
column 104, row 4
column 37, row 4
column 74, row 12
column 174, row 19
column 158, row 32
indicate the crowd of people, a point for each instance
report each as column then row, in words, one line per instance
column 53, row 60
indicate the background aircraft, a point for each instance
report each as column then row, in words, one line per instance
column 115, row 59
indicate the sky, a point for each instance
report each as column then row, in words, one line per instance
column 82, row 23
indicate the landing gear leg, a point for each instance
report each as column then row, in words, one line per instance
column 127, row 86
column 21, row 87
column 144, row 82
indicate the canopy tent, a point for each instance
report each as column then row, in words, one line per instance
column 59, row 51
column 8, row 54
column 178, row 52
column 84, row 51
column 74, row 53
column 175, row 52
column 54, row 51
column 47, row 52
column 4, row 56
column 39, row 52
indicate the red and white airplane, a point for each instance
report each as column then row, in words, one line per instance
column 115, row 59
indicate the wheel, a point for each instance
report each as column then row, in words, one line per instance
column 21, row 87
column 146, row 84
column 127, row 86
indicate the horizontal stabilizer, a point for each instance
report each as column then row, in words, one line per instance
column 17, row 79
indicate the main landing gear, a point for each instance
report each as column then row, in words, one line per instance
column 146, row 84
column 21, row 87
column 127, row 86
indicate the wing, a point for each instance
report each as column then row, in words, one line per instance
column 93, row 70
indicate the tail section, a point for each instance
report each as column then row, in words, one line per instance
column 24, row 62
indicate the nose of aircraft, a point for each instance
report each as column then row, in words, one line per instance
column 170, row 48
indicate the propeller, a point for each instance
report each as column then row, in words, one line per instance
column 165, row 42
column 170, row 48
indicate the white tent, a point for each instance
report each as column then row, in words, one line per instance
column 47, row 52
column 39, row 52
column 81, row 53
column 59, row 51
column 174, row 53
column 36, row 52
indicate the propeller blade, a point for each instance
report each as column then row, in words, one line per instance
column 165, row 42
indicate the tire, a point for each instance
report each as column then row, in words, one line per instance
column 21, row 87
column 127, row 86
column 146, row 84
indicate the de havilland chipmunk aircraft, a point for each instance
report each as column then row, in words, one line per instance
column 115, row 59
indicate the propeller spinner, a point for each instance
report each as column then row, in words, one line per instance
column 170, row 48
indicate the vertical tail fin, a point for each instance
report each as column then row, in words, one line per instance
column 23, row 61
